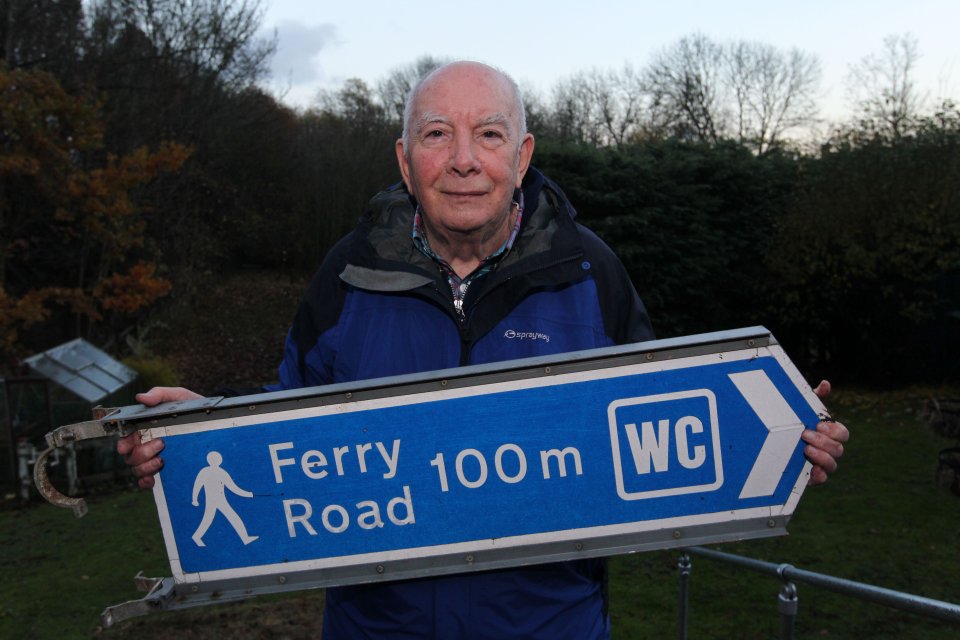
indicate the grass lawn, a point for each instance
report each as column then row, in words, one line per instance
column 881, row 519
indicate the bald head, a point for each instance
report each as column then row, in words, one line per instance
column 463, row 156
column 411, row 113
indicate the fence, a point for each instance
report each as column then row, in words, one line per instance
column 788, row 600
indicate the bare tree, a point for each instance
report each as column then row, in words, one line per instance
column 170, row 66
column 774, row 91
column 42, row 34
column 703, row 90
column 619, row 99
column 355, row 104
column 392, row 91
column 201, row 37
column 599, row 107
column 687, row 90
column 571, row 108
column 881, row 86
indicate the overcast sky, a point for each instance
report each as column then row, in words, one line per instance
column 323, row 43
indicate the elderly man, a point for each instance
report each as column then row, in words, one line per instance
column 475, row 247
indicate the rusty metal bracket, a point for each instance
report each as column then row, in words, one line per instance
column 80, row 431
column 100, row 427
column 50, row 492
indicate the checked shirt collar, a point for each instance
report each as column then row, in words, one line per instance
column 458, row 285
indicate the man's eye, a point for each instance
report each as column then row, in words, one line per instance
column 492, row 134
column 436, row 133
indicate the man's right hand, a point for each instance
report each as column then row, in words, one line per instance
column 144, row 457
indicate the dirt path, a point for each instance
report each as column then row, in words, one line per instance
column 233, row 335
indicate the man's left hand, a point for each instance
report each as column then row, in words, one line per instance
column 825, row 444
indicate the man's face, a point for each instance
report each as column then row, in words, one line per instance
column 466, row 155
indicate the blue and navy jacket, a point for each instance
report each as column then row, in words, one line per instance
column 379, row 307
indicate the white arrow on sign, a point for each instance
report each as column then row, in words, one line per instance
column 782, row 423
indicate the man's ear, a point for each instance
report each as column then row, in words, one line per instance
column 403, row 163
column 526, row 153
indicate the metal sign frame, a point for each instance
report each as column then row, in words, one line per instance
column 186, row 589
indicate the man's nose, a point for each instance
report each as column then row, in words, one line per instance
column 463, row 156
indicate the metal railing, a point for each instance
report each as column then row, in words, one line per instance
column 787, row 599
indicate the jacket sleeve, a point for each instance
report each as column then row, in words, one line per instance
column 624, row 314
column 309, row 349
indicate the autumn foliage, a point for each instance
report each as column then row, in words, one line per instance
column 132, row 291
column 73, row 249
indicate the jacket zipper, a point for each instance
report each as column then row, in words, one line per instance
column 462, row 317
column 459, row 318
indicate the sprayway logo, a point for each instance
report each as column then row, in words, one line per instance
column 510, row 334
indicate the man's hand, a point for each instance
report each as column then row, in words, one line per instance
column 825, row 444
column 144, row 458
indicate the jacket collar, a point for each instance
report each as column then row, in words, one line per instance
column 383, row 257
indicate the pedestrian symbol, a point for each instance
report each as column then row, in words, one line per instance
column 213, row 480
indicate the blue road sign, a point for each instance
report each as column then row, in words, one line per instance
column 678, row 450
